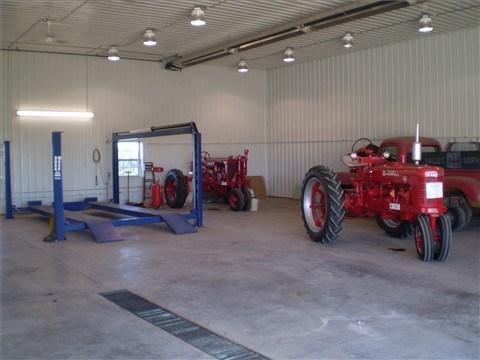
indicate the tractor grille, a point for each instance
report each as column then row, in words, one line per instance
column 193, row 334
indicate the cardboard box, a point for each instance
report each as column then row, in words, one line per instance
column 257, row 183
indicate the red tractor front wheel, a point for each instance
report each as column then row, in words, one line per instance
column 236, row 199
column 423, row 238
column 322, row 205
column 442, row 239
column 247, row 197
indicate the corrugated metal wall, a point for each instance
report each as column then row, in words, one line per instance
column 317, row 109
column 228, row 108
column 290, row 118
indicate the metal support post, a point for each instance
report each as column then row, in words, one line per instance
column 197, row 178
column 57, row 187
column 8, row 183
column 116, row 180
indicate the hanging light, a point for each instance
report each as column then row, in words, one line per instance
column 198, row 16
column 242, row 66
column 347, row 41
column 288, row 55
column 113, row 54
column 149, row 38
column 425, row 24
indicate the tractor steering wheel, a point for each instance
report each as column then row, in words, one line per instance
column 368, row 146
column 205, row 156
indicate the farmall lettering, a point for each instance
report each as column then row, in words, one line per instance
column 404, row 199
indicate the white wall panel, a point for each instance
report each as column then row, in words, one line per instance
column 228, row 108
column 290, row 118
column 317, row 109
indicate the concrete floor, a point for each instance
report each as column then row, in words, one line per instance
column 253, row 277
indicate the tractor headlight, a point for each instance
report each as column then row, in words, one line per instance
column 386, row 154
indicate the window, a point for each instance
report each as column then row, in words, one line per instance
column 130, row 154
column 429, row 149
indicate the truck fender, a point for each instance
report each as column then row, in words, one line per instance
column 470, row 187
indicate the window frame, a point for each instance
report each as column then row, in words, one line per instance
column 134, row 161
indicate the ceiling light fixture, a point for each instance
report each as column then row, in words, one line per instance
column 198, row 16
column 149, row 38
column 425, row 24
column 347, row 41
column 242, row 66
column 113, row 54
column 288, row 55
column 56, row 114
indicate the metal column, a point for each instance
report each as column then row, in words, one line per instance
column 116, row 180
column 197, row 178
column 57, row 186
column 8, row 183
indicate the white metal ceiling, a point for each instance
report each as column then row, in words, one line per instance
column 90, row 27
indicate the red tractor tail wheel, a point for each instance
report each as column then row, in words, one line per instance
column 322, row 205
column 395, row 227
column 442, row 239
column 236, row 200
column 423, row 238
column 175, row 188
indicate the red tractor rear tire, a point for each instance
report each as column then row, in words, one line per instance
column 394, row 227
column 322, row 204
column 175, row 188
column 423, row 238
column 235, row 199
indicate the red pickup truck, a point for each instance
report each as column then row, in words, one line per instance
column 462, row 172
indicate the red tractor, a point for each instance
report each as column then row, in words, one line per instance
column 225, row 177
column 404, row 199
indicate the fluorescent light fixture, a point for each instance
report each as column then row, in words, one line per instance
column 242, row 66
column 198, row 16
column 425, row 24
column 56, row 114
column 113, row 54
column 288, row 55
column 149, row 38
column 347, row 40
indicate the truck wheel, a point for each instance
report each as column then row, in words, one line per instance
column 247, row 197
column 457, row 217
column 395, row 227
column 443, row 239
column 322, row 205
column 423, row 238
column 468, row 210
column 235, row 199
column 175, row 189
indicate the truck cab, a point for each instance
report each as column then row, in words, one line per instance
column 399, row 148
column 462, row 172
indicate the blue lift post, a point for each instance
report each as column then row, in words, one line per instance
column 8, row 182
column 57, row 187
column 142, row 216
column 167, row 130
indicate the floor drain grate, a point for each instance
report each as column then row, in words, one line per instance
column 193, row 334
